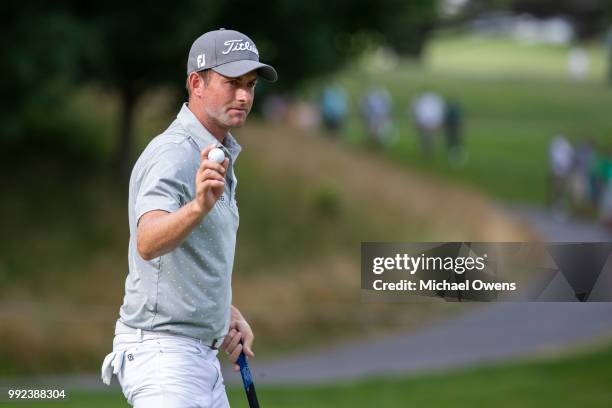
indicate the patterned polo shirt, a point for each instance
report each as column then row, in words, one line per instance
column 188, row 290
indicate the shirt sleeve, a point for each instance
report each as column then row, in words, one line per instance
column 163, row 187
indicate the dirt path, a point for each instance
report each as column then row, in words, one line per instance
column 560, row 230
column 493, row 333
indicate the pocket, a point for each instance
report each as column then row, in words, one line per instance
column 185, row 372
column 138, row 371
column 215, row 363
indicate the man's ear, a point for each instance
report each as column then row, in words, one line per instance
column 196, row 83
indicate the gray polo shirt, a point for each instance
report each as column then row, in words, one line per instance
column 188, row 290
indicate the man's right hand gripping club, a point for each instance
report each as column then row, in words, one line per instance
column 159, row 232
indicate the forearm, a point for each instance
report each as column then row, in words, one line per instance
column 160, row 235
column 235, row 314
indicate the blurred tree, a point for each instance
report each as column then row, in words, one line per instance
column 39, row 53
column 588, row 16
column 132, row 47
column 305, row 39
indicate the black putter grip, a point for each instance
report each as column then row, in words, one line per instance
column 247, row 380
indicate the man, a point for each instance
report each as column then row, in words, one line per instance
column 561, row 158
column 376, row 107
column 183, row 221
column 428, row 113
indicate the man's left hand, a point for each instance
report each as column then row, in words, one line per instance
column 239, row 330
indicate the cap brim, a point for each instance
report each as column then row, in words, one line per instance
column 239, row 68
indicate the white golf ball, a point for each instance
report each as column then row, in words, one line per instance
column 216, row 155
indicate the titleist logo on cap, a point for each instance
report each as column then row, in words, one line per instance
column 239, row 45
column 228, row 52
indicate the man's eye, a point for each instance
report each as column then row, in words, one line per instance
column 252, row 84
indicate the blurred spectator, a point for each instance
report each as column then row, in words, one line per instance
column 453, row 124
column 578, row 64
column 275, row 108
column 579, row 180
column 334, row 107
column 304, row 115
column 376, row 112
column 605, row 172
column 427, row 111
column 598, row 175
column 561, row 156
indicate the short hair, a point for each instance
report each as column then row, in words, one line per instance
column 204, row 74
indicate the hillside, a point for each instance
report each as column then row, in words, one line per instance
column 306, row 204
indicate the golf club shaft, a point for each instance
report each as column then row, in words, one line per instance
column 247, row 380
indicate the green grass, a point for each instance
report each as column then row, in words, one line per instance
column 578, row 380
column 515, row 97
column 499, row 56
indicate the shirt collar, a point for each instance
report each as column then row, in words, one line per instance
column 203, row 137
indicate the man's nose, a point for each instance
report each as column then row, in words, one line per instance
column 244, row 95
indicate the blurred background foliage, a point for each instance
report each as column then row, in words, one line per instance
column 126, row 48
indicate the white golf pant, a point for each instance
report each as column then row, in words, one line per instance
column 164, row 370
